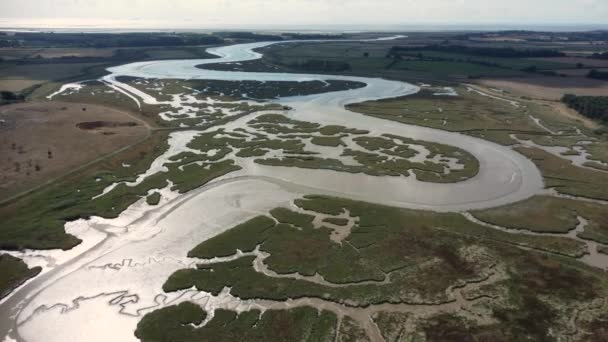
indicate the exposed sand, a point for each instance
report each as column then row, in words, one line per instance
column 30, row 130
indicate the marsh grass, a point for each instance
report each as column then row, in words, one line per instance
column 13, row 273
column 180, row 323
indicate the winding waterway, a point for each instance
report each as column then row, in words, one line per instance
column 99, row 290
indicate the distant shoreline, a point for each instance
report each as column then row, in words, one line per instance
column 325, row 28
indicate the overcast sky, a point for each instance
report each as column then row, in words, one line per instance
column 254, row 13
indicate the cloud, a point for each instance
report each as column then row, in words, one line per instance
column 205, row 13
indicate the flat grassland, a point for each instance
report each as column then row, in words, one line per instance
column 44, row 140
column 17, row 78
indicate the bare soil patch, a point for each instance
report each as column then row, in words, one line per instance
column 96, row 125
column 549, row 88
column 561, row 109
column 40, row 141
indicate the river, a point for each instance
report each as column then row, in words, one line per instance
column 99, row 290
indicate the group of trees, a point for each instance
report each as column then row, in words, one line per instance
column 598, row 75
column 594, row 107
column 7, row 97
column 479, row 51
column 311, row 36
column 100, row 40
column 275, row 37
column 248, row 36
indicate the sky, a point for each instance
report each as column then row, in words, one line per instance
column 211, row 14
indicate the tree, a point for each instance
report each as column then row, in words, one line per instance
column 594, row 107
column 598, row 75
column 531, row 68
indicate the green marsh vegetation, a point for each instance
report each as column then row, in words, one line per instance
column 405, row 256
column 546, row 214
column 566, row 178
column 13, row 273
column 37, row 220
column 327, row 141
column 239, row 90
column 180, row 323
column 154, row 198
column 370, row 254
column 203, row 116
column 492, row 119
column 386, row 155
column 469, row 113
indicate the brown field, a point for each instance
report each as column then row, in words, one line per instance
column 588, row 62
column 18, row 53
column 549, row 88
column 13, row 76
column 29, row 131
column 17, row 85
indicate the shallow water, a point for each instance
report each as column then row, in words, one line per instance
column 116, row 275
column 505, row 176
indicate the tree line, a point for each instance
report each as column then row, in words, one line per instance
column 500, row 52
column 101, row 40
column 598, row 75
column 594, row 107
column 275, row 37
column 7, row 97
